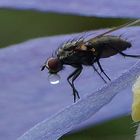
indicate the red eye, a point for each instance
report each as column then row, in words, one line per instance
column 54, row 65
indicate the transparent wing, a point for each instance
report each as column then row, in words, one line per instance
column 116, row 28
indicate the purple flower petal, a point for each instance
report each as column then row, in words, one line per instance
column 101, row 8
column 27, row 97
column 67, row 119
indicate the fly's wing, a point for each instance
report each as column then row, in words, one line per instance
column 116, row 28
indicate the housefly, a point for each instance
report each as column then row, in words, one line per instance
column 77, row 53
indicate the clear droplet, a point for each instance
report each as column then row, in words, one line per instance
column 54, row 78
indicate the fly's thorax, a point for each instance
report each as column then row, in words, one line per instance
column 68, row 49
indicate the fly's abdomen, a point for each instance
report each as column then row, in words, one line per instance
column 107, row 46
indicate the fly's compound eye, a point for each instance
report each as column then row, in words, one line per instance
column 54, row 65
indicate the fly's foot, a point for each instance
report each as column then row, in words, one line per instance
column 75, row 95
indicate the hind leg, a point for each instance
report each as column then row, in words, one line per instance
column 99, row 73
column 129, row 55
column 125, row 55
column 97, row 60
column 103, row 70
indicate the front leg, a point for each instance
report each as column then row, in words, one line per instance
column 74, row 75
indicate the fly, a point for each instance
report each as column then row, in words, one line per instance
column 77, row 53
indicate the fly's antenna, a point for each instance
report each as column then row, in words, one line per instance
column 44, row 65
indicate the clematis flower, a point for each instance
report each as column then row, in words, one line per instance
column 27, row 100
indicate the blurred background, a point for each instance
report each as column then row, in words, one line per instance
column 18, row 26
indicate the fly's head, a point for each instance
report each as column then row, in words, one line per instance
column 53, row 65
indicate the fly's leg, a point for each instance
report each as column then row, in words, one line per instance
column 74, row 75
column 102, row 69
column 98, row 62
column 74, row 78
column 125, row 55
column 99, row 73
column 129, row 55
